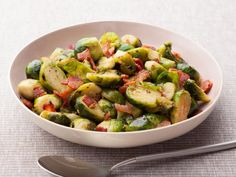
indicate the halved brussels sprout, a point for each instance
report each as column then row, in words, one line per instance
column 167, row 63
column 171, row 76
column 51, row 77
column 113, row 95
column 192, row 72
column 56, row 117
column 75, row 68
column 92, row 44
column 131, row 39
column 33, row 68
column 112, row 125
column 153, row 55
column 106, row 79
column 140, row 123
column 194, row 107
column 90, row 89
column 84, row 108
column 57, row 52
column 140, row 52
column 50, row 99
column 105, row 63
column 155, row 119
column 169, row 90
column 107, row 107
column 154, row 68
column 196, row 92
column 150, row 85
column 111, row 38
column 182, row 104
column 125, row 47
column 83, row 123
column 26, row 88
column 127, row 64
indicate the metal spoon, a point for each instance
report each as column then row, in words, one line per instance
column 74, row 167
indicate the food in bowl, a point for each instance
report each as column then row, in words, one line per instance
column 113, row 84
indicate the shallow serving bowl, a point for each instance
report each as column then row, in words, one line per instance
column 152, row 35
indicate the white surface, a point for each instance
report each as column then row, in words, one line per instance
column 149, row 35
column 210, row 23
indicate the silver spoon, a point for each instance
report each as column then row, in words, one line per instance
column 74, row 167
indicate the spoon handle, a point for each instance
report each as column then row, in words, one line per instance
column 179, row 153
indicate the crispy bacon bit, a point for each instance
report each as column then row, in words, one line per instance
column 149, row 47
column 141, row 76
column 123, row 88
column 127, row 108
column 107, row 116
column 164, row 123
column 27, row 103
column 90, row 102
column 101, row 129
column 108, row 50
column 86, row 55
column 71, row 47
column 176, row 54
column 49, row 107
column 38, row 91
column 138, row 64
column 183, row 77
column 206, row 86
column 72, row 82
column 124, row 77
column 64, row 95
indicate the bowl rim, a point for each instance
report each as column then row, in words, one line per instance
column 212, row 102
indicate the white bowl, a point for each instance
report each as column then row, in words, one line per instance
column 191, row 52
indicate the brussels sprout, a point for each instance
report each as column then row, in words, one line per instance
column 56, row 117
column 106, row 79
column 125, row 47
column 75, row 68
column 163, row 77
column 150, row 85
column 140, row 123
column 165, row 51
column 57, row 52
column 167, row 63
column 127, row 64
column 132, row 40
column 93, row 112
column 194, row 107
column 51, row 77
column 154, row 68
column 107, row 107
column 61, row 54
column 105, row 63
column 182, row 104
column 112, row 125
column 196, row 92
column 169, row 90
column 113, row 95
column 111, row 38
column 193, row 73
column 71, row 116
column 142, row 97
column 155, row 119
column 87, row 64
column 41, row 102
column 83, row 123
column 171, row 76
column 153, row 55
column 26, row 88
column 32, row 69
column 92, row 44
column 140, row 52
column 90, row 89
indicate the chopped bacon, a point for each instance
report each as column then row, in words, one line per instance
column 107, row 116
column 183, row 77
column 38, row 91
column 71, row 47
column 101, row 129
column 123, row 88
column 86, row 55
column 72, row 82
column 49, row 107
column 164, row 123
column 64, row 95
column 206, row 86
column 176, row 54
column 90, row 102
column 141, row 76
column 124, row 78
column 108, row 50
column 127, row 108
column 138, row 64
column 149, row 47
column 27, row 103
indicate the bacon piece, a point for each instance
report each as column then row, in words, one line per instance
column 90, row 102
column 64, row 95
column 149, row 47
column 183, row 77
column 206, row 86
column 72, row 82
column 138, row 64
column 86, row 55
column 141, row 76
column 27, row 103
column 123, row 88
column 107, row 116
column 108, row 50
column 38, row 91
column 127, row 108
column 101, row 129
column 49, row 107
column 164, row 123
